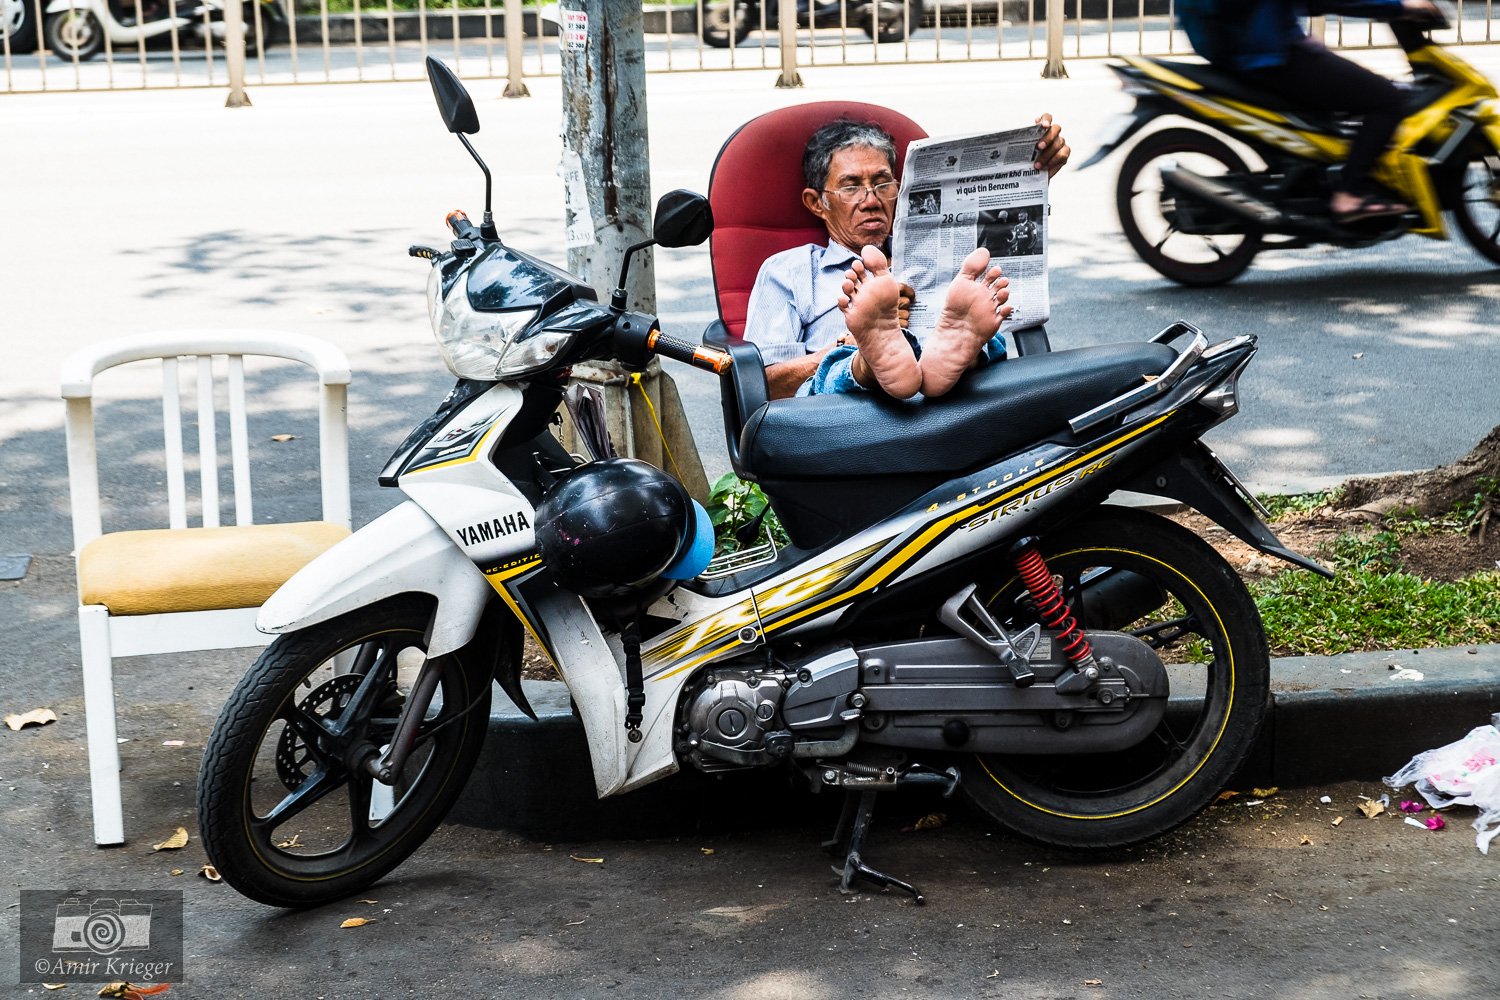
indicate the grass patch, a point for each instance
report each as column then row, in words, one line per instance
column 1366, row 608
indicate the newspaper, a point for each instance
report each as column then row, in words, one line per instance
column 969, row 191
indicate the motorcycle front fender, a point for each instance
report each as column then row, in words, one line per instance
column 1124, row 128
column 58, row 6
column 403, row 551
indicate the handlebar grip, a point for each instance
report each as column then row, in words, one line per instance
column 699, row 356
column 459, row 223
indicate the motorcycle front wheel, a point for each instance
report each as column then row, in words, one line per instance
column 1476, row 207
column 725, row 24
column 1204, row 626
column 287, row 816
column 74, row 34
column 1149, row 213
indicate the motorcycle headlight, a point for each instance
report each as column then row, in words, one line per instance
column 485, row 345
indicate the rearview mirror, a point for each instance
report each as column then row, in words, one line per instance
column 683, row 219
column 453, row 101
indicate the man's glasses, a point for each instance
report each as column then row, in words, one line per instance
column 853, row 194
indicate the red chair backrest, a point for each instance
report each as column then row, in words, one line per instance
column 755, row 190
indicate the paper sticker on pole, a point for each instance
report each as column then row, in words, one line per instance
column 580, row 222
column 576, row 29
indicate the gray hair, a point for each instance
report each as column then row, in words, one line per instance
column 842, row 134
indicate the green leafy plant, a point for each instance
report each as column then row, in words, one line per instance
column 734, row 504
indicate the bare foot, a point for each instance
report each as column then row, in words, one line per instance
column 869, row 304
column 971, row 314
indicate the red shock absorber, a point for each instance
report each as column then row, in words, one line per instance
column 1050, row 606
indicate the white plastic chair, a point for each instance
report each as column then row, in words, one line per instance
column 187, row 588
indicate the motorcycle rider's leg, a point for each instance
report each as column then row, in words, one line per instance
column 1315, row 77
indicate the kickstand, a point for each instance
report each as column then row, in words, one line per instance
column 854, row 822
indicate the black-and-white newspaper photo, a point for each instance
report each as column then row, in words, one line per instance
column 966, row 192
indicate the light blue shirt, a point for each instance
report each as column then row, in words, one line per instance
column 794, row 304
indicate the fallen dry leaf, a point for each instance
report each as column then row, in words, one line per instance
column 172, row 843
column 1372, row 808
column 175, row 872
column 290, row 842
column 279, row 438
column 1337, row 820
column 211, row 873
column 1226, row 795
column 587, row 861
column 932, row 821
column 1265, row 793
column 1093, row 982
column 54, row 986
column 35, row 717
column 706, row 850
column 356, row 922
column 1306, row 841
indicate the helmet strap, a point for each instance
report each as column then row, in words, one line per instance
column 635, row 684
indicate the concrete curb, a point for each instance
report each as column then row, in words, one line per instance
column 1351, row 717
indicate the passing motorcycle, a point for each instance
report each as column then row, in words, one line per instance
column 78, row 29
column 956, row 609
column 1197, row 212
column 726, row 23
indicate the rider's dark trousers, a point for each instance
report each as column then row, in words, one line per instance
column 1313, row 77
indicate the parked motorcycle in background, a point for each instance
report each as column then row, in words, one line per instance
column 727, row 22
column 1197, row 212
column 17, row 26
column 77, row 29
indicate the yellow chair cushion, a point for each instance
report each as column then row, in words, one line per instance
column 197, row 569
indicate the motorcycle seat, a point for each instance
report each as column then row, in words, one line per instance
column 1224, row 85
column 994, row 411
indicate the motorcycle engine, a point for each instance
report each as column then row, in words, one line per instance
column 730, row 720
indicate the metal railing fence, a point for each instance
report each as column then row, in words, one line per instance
column 48, row 45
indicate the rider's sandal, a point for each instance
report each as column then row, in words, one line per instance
column 1370, row 207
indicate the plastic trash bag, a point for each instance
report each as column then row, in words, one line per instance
column 1464, row 774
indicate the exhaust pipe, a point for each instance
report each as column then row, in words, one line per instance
column 1220, row 195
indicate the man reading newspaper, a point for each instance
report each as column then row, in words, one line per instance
column 829, row 318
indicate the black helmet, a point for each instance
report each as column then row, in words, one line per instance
column 613, row 528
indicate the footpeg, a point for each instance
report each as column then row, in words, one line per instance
column 1014, row 652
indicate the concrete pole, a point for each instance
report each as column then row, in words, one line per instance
column 234, row 54
column 515, row 34
column 1054, row 69
column 786, row 19
column 604, row 123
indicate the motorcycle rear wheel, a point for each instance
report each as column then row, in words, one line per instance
column 725, row 24
column 1209, row 633
column 74, row 34
column 1476, row 207
column 283, row 817
column 1145, row 210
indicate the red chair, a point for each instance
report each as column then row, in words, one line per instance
column 755, row 191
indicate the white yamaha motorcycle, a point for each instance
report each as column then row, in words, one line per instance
column 957, row 608
column 78, row 29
